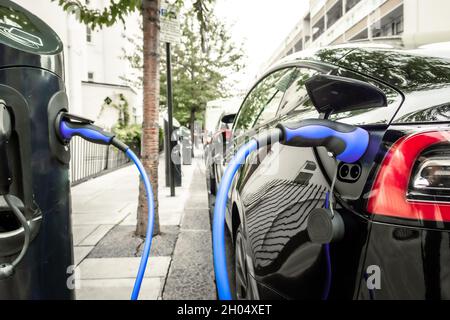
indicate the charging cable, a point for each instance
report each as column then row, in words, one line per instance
column 7, row 269
column 346, row 142
column 68, row 126
column 329, row 205
column 150, row 223
column 331, row 197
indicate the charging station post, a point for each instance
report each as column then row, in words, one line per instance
column 170, row 33
column 170, row 120
column 36, row 252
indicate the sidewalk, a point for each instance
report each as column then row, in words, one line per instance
column 107, row 252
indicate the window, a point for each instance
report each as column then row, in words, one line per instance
column 361, row 36
column 296, row 104
column 298, row 46
column 389, row 25
column 266, row 94
column 88, row 35
column 334, row 14
column 318, row 28
column 398, row 27
column 90, row 76
column 270, row 110
column 305, row 110
column 282, row 86
column 350, row 4
column 296, row 94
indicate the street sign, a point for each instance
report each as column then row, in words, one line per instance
column 170, row 33
column 170, row 24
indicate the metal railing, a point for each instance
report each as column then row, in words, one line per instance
column 89, row 160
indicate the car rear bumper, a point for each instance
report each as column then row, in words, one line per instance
column 406, row 263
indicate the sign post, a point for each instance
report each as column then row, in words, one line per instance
column 170, row 33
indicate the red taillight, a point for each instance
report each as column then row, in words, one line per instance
column 389, row 192
column 227, row 134
column 223, row 133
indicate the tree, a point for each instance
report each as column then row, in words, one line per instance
column 199, row 75
column 149, row 9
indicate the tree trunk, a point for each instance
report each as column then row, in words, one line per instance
column 150, row 127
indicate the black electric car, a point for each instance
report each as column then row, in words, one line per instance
column 395, row 201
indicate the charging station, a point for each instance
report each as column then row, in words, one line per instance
column 35, row 165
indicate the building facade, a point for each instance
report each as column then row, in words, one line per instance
column 406, row 23
column 93, row 61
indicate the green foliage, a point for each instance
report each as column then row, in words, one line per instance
column 202, row 12
column 119, row 9
column 199, row 75
column 201, row 62
column 130, row 135
column 119, row 103
column 108, row 16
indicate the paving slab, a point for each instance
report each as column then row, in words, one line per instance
column 97, row 218
column 170, row 219
column 118, row 289
column 131, row 208
column 117, row 268
column 80, row 232
column 80, row 253
column 110, row 204
column 130, row 219
column 96, row 235
column 86, row 191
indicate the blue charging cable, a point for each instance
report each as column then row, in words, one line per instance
column 326, row 248
column 68, row 126
column 345, row 142
column 223, row 287
column 150, row 223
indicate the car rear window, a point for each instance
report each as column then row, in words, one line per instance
column 425, row 106
column 404, row 70
column 439, row 113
